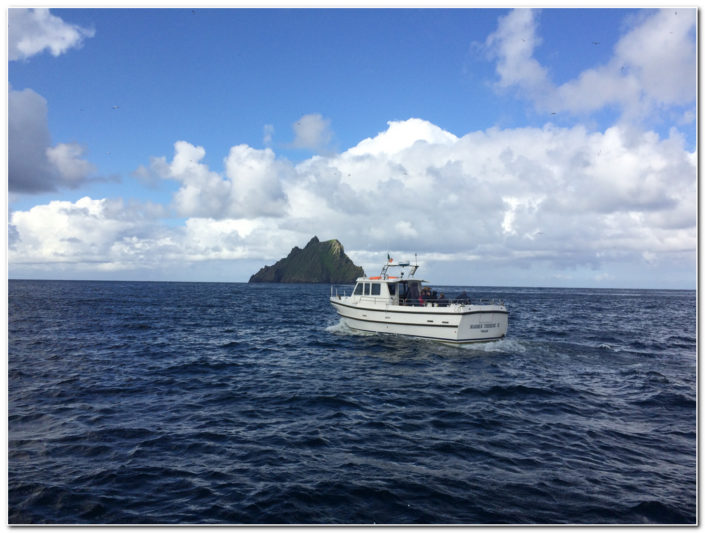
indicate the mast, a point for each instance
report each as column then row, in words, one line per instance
column 414, row 266
column 401, row 264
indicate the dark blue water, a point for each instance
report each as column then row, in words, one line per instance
column 233, row 403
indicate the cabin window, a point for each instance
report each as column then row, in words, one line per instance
column 358, row 289
column 392, row 288
column 403, row 290
column 376, row 289
column 367, row 289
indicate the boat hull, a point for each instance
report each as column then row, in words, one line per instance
column 456, row 324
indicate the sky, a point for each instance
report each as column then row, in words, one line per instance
column 505, row 147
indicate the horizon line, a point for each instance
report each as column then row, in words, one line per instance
column 352, row 283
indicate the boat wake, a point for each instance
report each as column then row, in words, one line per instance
column 502, row 345
column 341, row 328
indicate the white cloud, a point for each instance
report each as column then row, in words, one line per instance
column 652, row 66
column 102, row 235
column 513, row 46
column 85, row 232
column 405, row 228
column 401, row 135
column 31, row 31
column 67, row 159
column 550, row 194
column 256, row 181
column 251, row 185
column 562, row 197
column 268, row 134
column 33, row 165
column 661, row 53
column 312, row 132
column 203, row 192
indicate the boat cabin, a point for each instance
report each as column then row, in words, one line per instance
column 389, row 291
column 396, row 290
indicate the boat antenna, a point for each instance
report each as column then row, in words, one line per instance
column 415, row 266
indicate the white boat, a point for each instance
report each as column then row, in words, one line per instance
column 403, row 306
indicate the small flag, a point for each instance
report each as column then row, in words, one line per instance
column 389, row 259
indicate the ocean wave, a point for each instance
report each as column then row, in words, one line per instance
column 218, row 414
column 667, row 400
column 656, row 512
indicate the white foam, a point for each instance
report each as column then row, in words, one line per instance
column 502, row 345
column 341, row 328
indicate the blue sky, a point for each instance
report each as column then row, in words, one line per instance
column 551, row 147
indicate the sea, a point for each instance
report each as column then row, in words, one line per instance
column 235, row 403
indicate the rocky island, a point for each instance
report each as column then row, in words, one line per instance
column 318, row 262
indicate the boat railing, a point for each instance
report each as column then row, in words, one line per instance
column 433, row 302
column 337, row 294
column 484, row 301
column 334, row 292
column 445, row 302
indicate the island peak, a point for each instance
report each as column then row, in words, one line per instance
column 317, row 262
